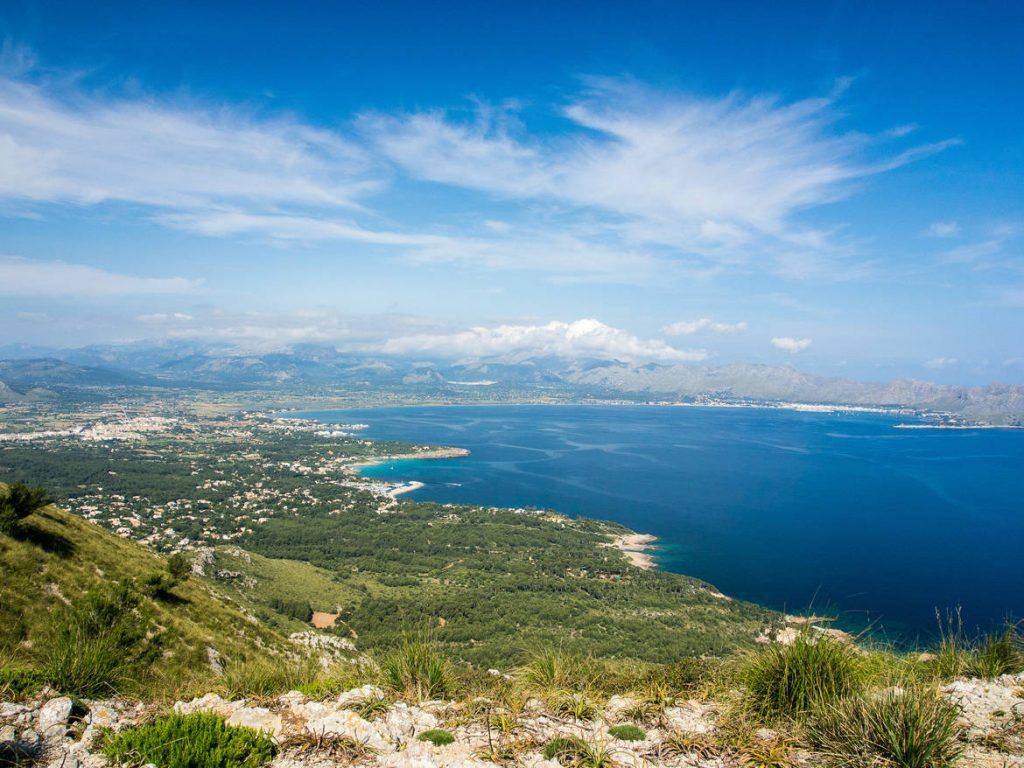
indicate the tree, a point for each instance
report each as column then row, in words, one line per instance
column 18, row 501
column 179, row 567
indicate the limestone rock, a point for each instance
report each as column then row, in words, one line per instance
column 349, row 725
column 258, row 718
column 53, row 717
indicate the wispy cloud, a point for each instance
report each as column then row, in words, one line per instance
column 943, row 229
column 24, row 277
column 683, row 170
column 704, row 325
column 586, row 338
column 941, row 362
column 791, row 345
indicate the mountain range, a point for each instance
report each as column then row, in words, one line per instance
column 30, row 373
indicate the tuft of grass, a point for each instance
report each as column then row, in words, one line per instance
column 576, row 705
column 199, row 740
column 437, row 736
column 579, row 753
column 997, row 654
column 263, row 679
column 790, row 681
column 16, row 682
column 992, row 655
column 627, row 733
column 702, row 746
column 556, row 669
column 912, row 728
column 418, row 669
column 372, row 707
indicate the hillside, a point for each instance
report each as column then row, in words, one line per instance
column 57, row 558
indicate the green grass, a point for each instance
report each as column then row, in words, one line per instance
column 56, row 558
column 198, row 740
column 789, row 681
column 912, row 728
column 437, row 736
column 628, row 732
column 579, row 753
column 418, row 669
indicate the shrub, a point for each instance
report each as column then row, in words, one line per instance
column 915, row 728
column 18, row 501
column 98, row 645
column 792, row 680
column 437, row 737
column 628, row 732
column 418, row 669
column 199, row 740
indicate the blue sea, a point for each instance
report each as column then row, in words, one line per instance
column 792, row 510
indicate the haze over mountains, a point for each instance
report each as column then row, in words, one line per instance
column 32, row 374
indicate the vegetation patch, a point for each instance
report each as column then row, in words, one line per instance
column 628, row 732
column 417, row 669
column 437, row 736
column 913, row 728
column 790, row 681
column 199, row 740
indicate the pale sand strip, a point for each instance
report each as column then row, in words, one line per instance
column 634, row 546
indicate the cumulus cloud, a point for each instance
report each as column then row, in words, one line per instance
column 791, row 345
column 944, row 229
column 585, row 338
column 705, row 324
column 23, row 277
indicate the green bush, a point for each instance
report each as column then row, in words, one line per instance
column 563, row 748
column 915, row 728
column 199, row 740
column 18, row 501
column 98, row 645
column 628, row 732
column 418, row 669
column 437, row 737
column 789, row 681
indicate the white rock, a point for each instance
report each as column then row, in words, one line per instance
column 211, row 702
column 103, row 714
column 259, row 718
column 8, row 733
column 348, row 725
column 402, row 722
column 10, row 709
column 691, row 717
column 53, row 717
column 357, row 695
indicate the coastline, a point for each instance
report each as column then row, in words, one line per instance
column 635, row 547
column 429, row 453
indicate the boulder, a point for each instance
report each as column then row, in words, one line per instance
column 345, row 724
column 258, row 718
column 357, row 695
column 402, row 721
column 53, row 717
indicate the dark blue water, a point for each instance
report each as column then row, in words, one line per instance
column 787, row 509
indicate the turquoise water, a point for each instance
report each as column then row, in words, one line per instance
column 787, row 509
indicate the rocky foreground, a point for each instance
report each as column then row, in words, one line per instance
column 361, row 727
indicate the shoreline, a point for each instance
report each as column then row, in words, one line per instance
column 430, row 453
column 635, row 547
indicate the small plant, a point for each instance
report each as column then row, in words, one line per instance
column 627, row 733
column 18, row 501
column 437, row 736
column 418, row 669
column 914, row 728
column 576, row 705
column 372, row 707
column 555, row 669
column 563, row 748
column 998, row 654
column 789, row 681
column 579, row 753
column 199, row 740
column 699, row 745
column 772, row 753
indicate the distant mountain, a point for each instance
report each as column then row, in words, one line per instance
column 304, row 367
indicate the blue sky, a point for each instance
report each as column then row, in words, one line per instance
column 836, row 186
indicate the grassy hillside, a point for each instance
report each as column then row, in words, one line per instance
column 55, row 559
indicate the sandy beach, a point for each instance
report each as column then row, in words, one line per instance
column 634, row 546
column 434, row 453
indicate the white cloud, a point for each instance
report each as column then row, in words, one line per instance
column 791, row 345
column 941, row 362
column 59, row 144
column 584, row 338
column 22, row 277
column 944, row 229
column 688, row 168
column 688, row 328
column 164, row 318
